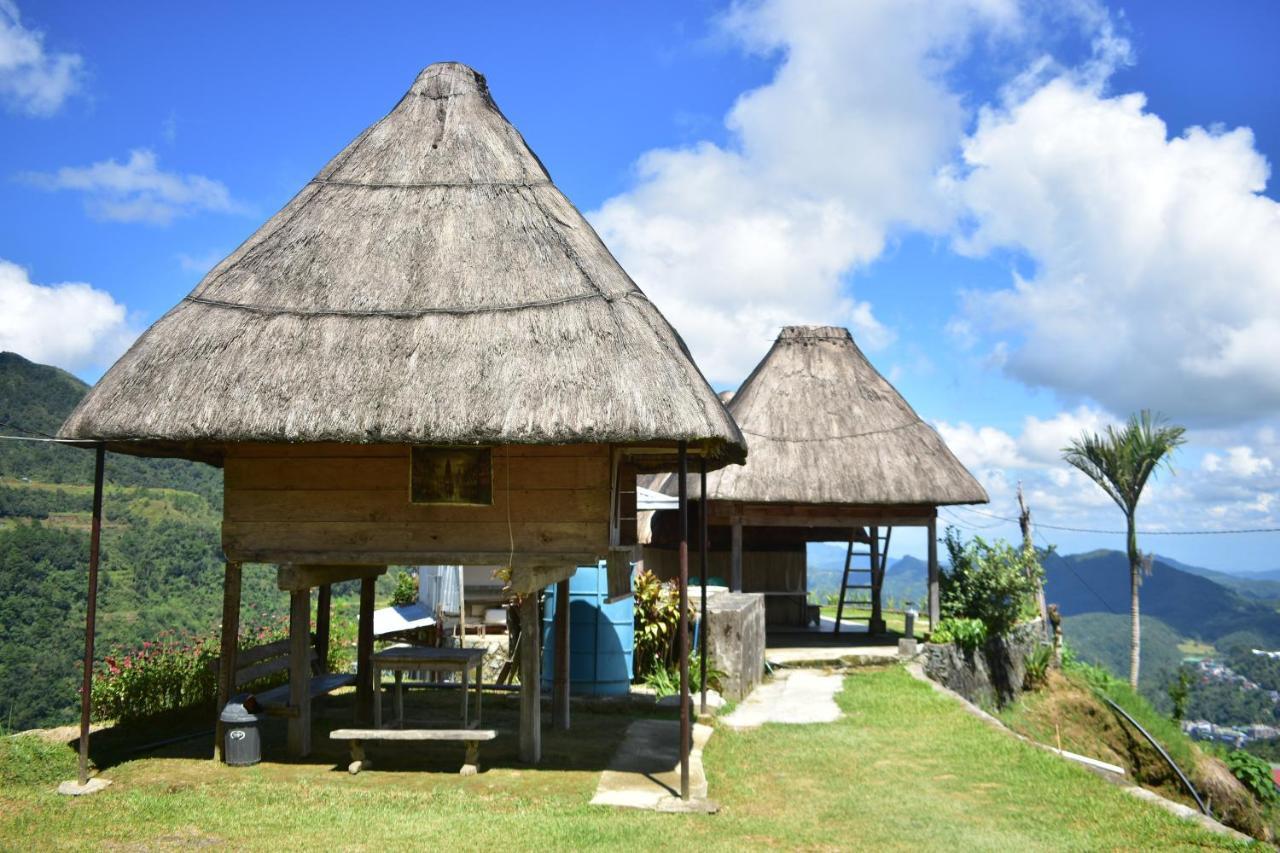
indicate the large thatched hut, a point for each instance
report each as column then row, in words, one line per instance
column 428, row 356
column 836, row 455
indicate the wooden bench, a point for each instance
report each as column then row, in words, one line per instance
column 262, row 661
column 471, row 737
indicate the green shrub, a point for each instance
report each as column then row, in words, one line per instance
column 406, row 589
column 1255, row 774
column 167, row 675
column 666, row 681
column 965, row 633
column 657, row 621
column 1180, row 692
column 1037, row 667
column 992, row 582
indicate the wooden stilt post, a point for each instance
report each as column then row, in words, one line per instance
column 876, row 624
column 530, row 681
column 703, row 633
column 300, row 673
column 935, row 604
column 231, row 583
column 364, row 653
column 735, row 556
column 560, row 696
column 685, row 729
column 91, row 613
column 324, row 605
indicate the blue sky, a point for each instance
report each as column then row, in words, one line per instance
column 1034, row 217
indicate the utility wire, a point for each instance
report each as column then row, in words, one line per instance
column 1073, row 571
column 1123, row 532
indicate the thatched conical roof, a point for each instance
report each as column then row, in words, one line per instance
column 825, row 427
column 430, row 284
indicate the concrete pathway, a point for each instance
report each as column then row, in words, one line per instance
column 798, row 696
column 645, row 771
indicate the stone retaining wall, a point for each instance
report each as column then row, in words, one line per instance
column 990, row 676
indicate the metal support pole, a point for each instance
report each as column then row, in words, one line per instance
column 935, row 603
column 702, row 548
column 685, row 730
column 91, row 613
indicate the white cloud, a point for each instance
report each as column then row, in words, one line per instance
column 842, row 145
column 138, row 190
column 1042, row 440
column 33, row 80
column 981, row 447
column 1239, row 461
column 72, row 325
column 1234, row 484
column 1157, row 281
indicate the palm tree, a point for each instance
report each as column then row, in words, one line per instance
column 1121, row 461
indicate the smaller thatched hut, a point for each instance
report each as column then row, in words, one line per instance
column 836, row 455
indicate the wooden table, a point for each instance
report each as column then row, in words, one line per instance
column 402, row 659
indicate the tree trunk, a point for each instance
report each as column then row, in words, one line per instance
column 1135, row 579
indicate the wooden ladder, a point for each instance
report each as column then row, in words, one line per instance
column 868, row 576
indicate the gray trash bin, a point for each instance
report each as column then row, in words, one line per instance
column 242, row 743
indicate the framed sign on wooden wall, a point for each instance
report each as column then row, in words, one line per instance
column 458, row 476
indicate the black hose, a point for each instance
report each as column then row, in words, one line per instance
column 1160, row 749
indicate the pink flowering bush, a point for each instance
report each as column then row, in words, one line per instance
column 168, row 674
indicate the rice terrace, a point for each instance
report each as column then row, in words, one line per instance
column 855, row 428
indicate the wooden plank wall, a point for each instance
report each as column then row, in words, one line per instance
column 762, row 571
column 330, row 503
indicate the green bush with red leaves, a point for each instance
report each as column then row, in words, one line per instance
column 170, row 674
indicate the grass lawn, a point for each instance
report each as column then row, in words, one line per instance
column 895, row 622
column 904, row 769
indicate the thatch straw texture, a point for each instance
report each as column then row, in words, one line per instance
column 430, row 285
column 825, row 427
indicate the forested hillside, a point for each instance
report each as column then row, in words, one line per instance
column 161, row 553
column 1192, row 605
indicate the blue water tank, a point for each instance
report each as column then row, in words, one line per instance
column 601, row 636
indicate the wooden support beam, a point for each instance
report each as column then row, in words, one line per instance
column 685, row 728
column 295, row 576
column 364, row 653
column 91, row 613
column 530, row 681
column 324, row 607
column 300, row 672
column 231, row 584
column 560, row 694
column 935, row 603
column 876, row 624
column 842, row 516
column 735, row 557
